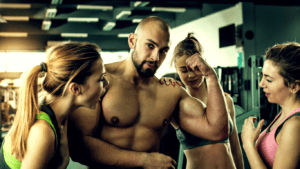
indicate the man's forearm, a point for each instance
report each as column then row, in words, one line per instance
column 216, row 107
column 98, row 153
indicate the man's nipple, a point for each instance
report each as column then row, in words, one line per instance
column 114, row 120
column 165, row 122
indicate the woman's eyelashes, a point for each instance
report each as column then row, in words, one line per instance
column 184, row 70
column 268, row 80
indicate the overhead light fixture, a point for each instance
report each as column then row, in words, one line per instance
column 16, row 18
column 140, row 4
column 165, row 9
column 109, row 26
column 52, row 43
column 123, row 35
column 15, row 5
column 13, row 34
column 51, row 13
column 123, row 14
column 76, row 35
column 46, row 25
column 136, row 20
column 95, row 7
column 71, row 19
column 2, row 20
column 55, row 2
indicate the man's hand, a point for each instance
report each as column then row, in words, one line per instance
column 158, row 161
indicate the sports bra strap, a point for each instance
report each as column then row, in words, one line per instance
column 280, row 126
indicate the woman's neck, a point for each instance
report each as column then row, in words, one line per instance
column 61, row 107
column 289, row 105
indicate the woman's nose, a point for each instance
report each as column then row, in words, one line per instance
column 191, row 74
column 261, row 84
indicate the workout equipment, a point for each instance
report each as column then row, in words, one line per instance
column 255, row 63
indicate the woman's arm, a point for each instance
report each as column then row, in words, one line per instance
column 40, row 146
column 249, row 136
column 288, row 151
column 234, row 139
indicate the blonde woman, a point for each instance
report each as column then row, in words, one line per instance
column 200, row 152
column 75, row 77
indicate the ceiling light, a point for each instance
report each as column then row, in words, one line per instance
column 71, row 19
column 46, row 25
column 136, row 20
column 164, row 9
column 51, row 13
column 55, row 2
column 52, row 43
column 13, row 34
column 140, row 4
column 95, row 7
column 77, row 35
column 16, row 18
column 123, row 14
column 2, row 20
column 109, row 26
column 15, row 6
column 123, row 35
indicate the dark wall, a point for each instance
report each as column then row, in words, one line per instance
column 275, row 24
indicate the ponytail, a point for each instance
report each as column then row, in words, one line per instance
column 26, row 112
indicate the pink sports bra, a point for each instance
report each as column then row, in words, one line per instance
column 266, row 144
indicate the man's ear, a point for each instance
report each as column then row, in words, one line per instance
column 295, row 87
column 132, row 40
column 74, row 89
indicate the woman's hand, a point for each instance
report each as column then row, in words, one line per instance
column 199, row 65
column 64, row 148
column 249, row 133
column 168, row 80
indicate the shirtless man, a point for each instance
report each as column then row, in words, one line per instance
column 125, row 131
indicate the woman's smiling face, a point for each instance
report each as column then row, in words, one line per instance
column 187, row 76
column 273, row 83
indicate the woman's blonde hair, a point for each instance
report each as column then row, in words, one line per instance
column 189, row 46
column 70, row 62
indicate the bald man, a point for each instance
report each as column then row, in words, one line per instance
column 126, row 129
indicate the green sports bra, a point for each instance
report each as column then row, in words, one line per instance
column 10, row 160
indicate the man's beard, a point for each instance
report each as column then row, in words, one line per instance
column 145, row 73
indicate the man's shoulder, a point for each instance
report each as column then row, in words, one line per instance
column 112, row 67
column 173, row 90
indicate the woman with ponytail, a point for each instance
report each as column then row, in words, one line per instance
column 74, row 77
column 199, row 152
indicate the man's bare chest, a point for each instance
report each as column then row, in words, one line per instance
column 127, row 105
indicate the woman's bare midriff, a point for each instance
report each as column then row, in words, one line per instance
column 213, row 156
